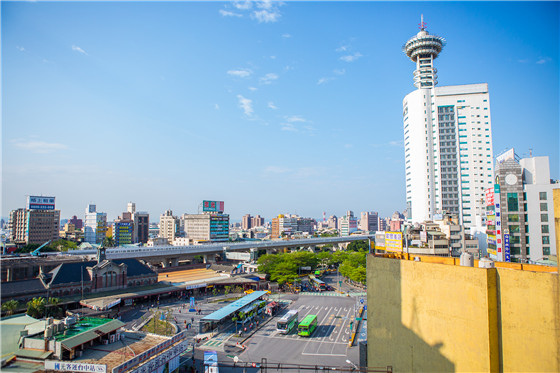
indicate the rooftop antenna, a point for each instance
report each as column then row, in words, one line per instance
column 422, row 24
column 530, row 153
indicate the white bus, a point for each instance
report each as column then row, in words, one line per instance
column 287, row 322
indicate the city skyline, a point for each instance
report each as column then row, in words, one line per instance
column 271, row 107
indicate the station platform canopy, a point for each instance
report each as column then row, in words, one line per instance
column 233, row 307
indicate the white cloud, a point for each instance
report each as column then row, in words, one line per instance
column 351, row 57
column 340, row 72
column 227, row 13
column 272, row 106
column 288, row 127
column 296, row 118
column 324, row 80
column 39, row 147
column 286, row 36
column 268, row 78
column 253, row 89
column 266, row 16
column 243, row 5
column 240, row 73
column 343, row 48
column 20, row 48
column 542, row 60
column 216, row 106
column 246, row 104
column 78, row 49
column 396, row 143
column 276, row 170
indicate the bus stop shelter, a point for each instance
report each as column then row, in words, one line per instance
column 219, row 317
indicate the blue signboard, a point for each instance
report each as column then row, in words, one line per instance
column 506, row 247
column 40, row 203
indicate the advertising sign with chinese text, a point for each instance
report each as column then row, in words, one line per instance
column 40, row 203
column 213, row 206
column 393, row 241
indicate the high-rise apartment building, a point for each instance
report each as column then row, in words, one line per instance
column 538, row 191
column 208, row 226
column 368, row 221
column 123, row 230
column 34, row 226
column 347, row 224
column 141, row 221
column 447, row 140
column 168, row 226
column 95, row 225
column 257, row 221
column 246, row 222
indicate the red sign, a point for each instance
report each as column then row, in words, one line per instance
column 489, row 193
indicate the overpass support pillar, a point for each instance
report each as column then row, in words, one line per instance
column 208, row 258
column 174, row 262
column 254, row 254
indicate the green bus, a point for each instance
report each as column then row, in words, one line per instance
column 307, row 325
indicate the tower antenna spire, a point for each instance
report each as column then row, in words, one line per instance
column 422, row 24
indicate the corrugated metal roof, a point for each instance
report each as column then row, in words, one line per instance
column 91, row 334
column 234, row 307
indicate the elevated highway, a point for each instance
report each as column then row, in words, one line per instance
column 169, row 255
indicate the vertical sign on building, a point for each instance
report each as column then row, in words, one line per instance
column 506, row 247
column 499, row 243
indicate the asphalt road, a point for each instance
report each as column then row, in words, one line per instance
column 328, row 345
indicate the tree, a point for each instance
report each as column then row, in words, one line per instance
column 10, row 306
column 227, row 289
column 108, row 242
column 52, row 309
column 36, row 307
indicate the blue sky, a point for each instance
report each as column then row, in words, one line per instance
column 292, row 107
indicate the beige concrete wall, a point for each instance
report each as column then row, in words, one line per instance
column 530, row 324
column 428, row 317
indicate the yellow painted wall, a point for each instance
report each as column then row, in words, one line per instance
column 530, row 323
column 426, row 316
column 556, row 200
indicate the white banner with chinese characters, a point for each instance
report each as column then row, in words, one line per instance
column 68, row 366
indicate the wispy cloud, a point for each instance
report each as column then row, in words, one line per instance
column 78, row 49
column 324, row 80
column 288, row 127
column 39, row 147
column 243, row 5
column 543, row 60
column 296, row 118
column 240, row 73
column 268, row 78
column 266, row 11
column 351, row 57
column 20, row 48
column 342, row 48
column 340, row 71
column 276, row 170
column 253, row 89
column 272, row 106
column 286, row 36
column 227, row 13
column 396, row 143
column 216, row 106
column 246, row 104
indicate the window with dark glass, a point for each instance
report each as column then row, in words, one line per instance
column 544, row 207
column 546, row 250
column 542, row 196
column 544, row 229
column 544, row 218
column 512, row 202
column 545, row 240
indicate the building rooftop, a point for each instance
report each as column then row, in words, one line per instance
column 234, row 307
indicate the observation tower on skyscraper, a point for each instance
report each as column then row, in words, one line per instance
column 423, row 49
column 447, row 141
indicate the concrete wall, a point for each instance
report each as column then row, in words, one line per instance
column 442, row 317
column 530, row 322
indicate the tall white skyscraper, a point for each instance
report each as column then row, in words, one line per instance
column 447, row 140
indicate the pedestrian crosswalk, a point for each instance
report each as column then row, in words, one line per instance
column 332, row 294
